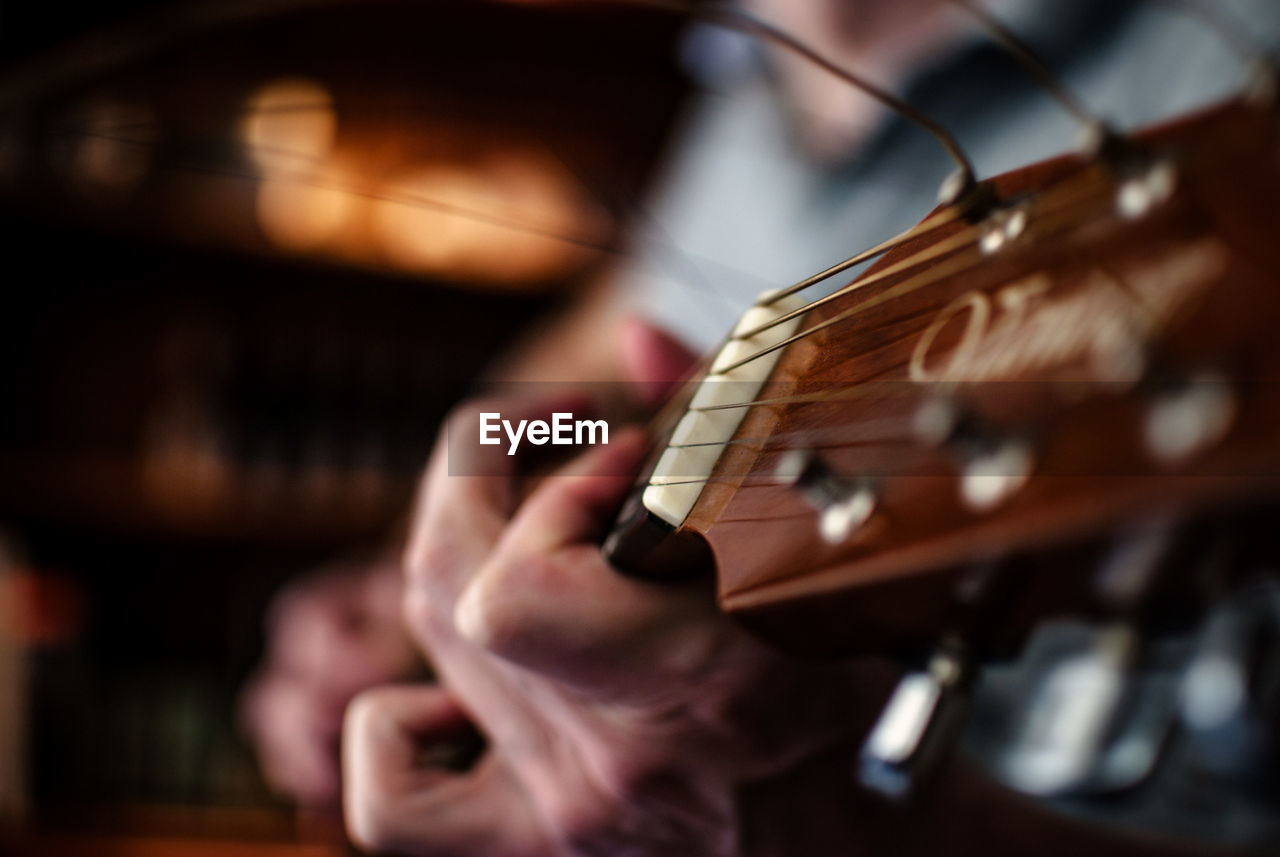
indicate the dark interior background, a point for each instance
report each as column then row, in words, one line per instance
column 193, row 411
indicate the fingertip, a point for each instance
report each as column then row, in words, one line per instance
column 653, row 359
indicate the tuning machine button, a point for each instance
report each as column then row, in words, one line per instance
column 1189, row 418
column 917, row 727
column 993, row 475
column 843, row 504
column 1002, row 227
column 1145, row 178
column 1131, row 566
column 1147, row 188
column 1065, row 739
column 992, row 467
column 1230, row 692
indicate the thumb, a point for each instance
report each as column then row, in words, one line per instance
column 393, row 804
column 654, row 360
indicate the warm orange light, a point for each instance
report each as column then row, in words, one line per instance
column 508, row 219
column 289, row 124
column 303, row 211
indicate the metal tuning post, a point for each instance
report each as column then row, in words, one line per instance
column 993, row 465
column 1144, row 178
column 1075, row 683
column 843, row 504
column 918, row 726
column 1230, row 692
column 1189, row 416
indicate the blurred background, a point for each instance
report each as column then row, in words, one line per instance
column 253, row 251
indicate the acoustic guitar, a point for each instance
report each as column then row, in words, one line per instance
column 1031, row 449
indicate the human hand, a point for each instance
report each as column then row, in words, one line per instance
column 329, row 636
column 623, row 717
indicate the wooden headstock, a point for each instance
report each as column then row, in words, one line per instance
column 1078, row 349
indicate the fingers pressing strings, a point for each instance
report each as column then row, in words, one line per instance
column 545, row 600
column 483, row 499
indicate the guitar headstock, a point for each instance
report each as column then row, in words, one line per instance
column 1090, row 347
column 1044, row 402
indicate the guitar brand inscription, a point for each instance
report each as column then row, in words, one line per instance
column 1024, row 328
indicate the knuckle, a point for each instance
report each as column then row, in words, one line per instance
column 420, row 617
column 430, row 559
column 498, row 611
column 483, row 618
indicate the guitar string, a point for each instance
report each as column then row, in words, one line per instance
column 929, row 224
column 967, row 239
column 1047, row 200
column 1040, row 72
column 1035, row 67
column 1030, row 61
column 948, row 215
column 1237, row 37
column 846, row 392
column 737, row 18
column 868, row 392
column 761, row 442
column 1218, row 19
column 872, row 389
column 313, row 179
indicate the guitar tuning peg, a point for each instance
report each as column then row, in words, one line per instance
column 1145, row 178
column 1002, row 227
column 992, row 467
column 1230, row 691
column 917, row 727
column 993, row 475
column 1078, row 681
column 1146, row 188
column 1133, row 563
column 1096, row 138
column 843, row 504
column 1189, row 417
column 941, row 421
